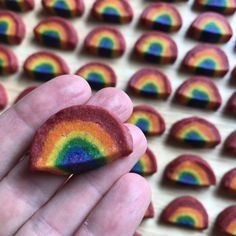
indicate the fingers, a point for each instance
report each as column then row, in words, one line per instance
column 23, row 192
column 121, row 210
column 81, row 194
column 20, row 121
column 118, row 102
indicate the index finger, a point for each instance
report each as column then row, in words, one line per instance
column 19, row 123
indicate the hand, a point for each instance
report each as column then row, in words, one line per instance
column 108, row 201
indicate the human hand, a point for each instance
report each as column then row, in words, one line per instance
column 107, row 201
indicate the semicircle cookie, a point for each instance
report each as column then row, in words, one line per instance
column 44, row 66
column 64, row 8
column 196, row 132
column 206, row 59
column 199, row 92
column 8, row 61
column 148, row 120
column 186, row 212
column 98, row 75
column 156, row 47
column 210, row 27
column 78, row 139
column 105, row 42
column 161, row 16
column 57, row 33
column 230, row 144
column 226, row 221
column 12, row 28
column 150, row 82
column 146, row 165
column 190, row 170
column 115, row 11
column 228, row 181
column 3, row 97
column 226, row 7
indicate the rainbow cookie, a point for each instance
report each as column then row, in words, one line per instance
column 210, row 27
column 24, row 93
column 196, row 132
column 146, row 165
column 105, row 42
column 149, row 212
column 64, row 8
column 44, row 66
column 230, row 144
column 190, row 170
column 98, row 75
column 199, row 92
column 186, row 212
column 161, row 16
column 79, row 139
column 148, row 120
column 8, row 61
column 3, row 97
column 115, row 11
column 156, row 47
column 226, row 221
column 56, row 32
column 228, row 181
column 231, row 104
column 150, row 82
column 12, row 28
column 226, row 7
column 206, row 59
column 19, row 5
